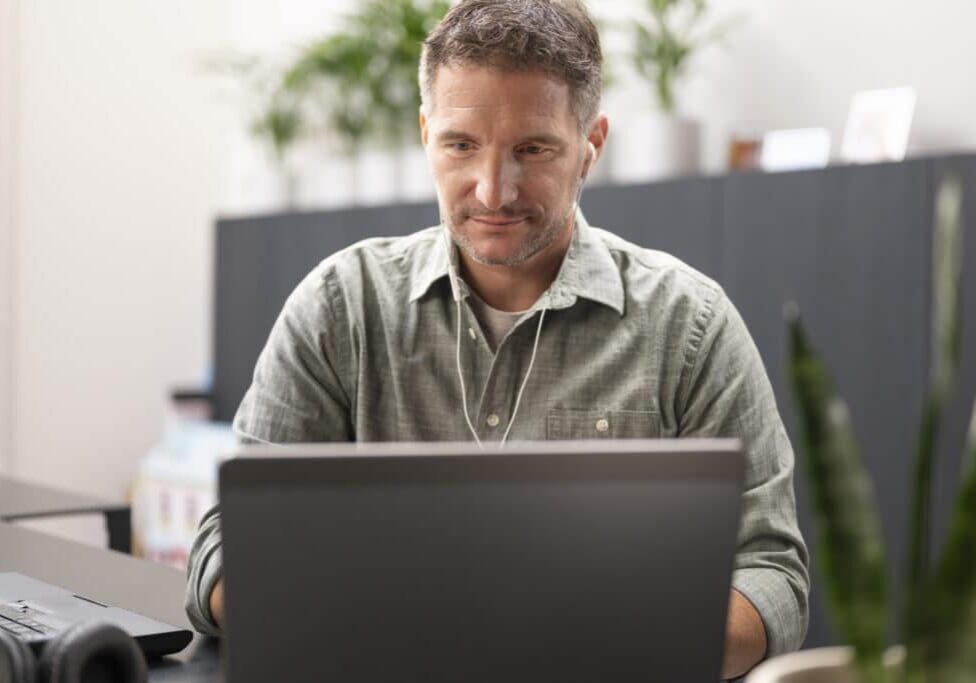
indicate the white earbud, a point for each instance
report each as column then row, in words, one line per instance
column 590, row 158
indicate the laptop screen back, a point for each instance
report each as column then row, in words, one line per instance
column 545, row 562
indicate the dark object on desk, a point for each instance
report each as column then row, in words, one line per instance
column 89, row 652
column 113, row 578
column 548, row 561
column 190, row 405
column 37, row 613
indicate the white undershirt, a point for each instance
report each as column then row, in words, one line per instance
column 495, row 324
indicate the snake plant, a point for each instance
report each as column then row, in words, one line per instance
column 938, row 625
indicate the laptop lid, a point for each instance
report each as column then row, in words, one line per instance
column 545, row 561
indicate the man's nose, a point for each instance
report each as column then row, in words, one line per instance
column 497, row 183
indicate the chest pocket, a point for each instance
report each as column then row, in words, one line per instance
column 565, row 424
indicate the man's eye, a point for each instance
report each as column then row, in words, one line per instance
column 533, row 150
column 460, row 146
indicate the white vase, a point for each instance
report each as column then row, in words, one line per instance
column 655, row 146
column 265, row 188
column 337, row 181
column 376, row 176
column 818, row 665
column 416, row 183
column 283, row 190
column 327, row 179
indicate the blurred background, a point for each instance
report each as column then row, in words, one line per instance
column 128, row 128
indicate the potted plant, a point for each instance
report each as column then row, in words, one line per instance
column 938, row 627
column 281, row 126
column 276, row 120
column 331, row 78
column 665, row 38
column 364, row 81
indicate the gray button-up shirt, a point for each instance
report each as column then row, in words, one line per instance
column 634, row 343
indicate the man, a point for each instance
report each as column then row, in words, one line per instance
column 516, row 320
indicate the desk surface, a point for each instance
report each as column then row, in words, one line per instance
column 23, row 500
column 119, row 580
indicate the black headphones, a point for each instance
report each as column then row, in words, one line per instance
column 88, row 652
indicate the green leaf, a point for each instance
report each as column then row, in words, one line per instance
column 921, row 614
column 947, row 273
column 850, row 548
column 665, row 95
column 281, row 123
column 662, row 47
column 942, row 635
column 660, row 6
column 363, row 79
column 947, row 647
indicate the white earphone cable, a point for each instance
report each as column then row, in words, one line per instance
column 518, row 399
column 464, row 393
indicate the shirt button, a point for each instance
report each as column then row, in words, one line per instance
column 493, row 420
column 471, row 333
column 602, row 425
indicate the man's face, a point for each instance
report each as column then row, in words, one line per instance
column 507, row 157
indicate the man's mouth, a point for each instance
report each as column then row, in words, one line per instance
column 497, row 221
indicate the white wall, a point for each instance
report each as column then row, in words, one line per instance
column 8, row 156
column 783, row 65
column 126, row 154
column 121, row 151
column 276, row 31
column 797, row 63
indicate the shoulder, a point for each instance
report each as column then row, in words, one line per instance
column 658, row 280
column 377, row 262
column 683, row 309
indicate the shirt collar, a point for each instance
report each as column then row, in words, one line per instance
column 437, row 265
column 588, row 271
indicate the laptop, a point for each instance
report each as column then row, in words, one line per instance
column 545, row 561
column 36, row 612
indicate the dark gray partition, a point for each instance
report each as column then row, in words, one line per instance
column 851, row 245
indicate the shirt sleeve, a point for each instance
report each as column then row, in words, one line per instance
column 205, row 567
column 728, row 394
column 296, row 396
column 298, row 393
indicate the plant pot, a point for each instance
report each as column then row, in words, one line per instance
column 272, row 189
column 415, row 183
column 262, row 183
column 342, row 182
column 819, row 665
column 656, row 146
column 327, row 178
column 376, row 172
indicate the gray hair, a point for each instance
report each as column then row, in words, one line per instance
column 554, row 36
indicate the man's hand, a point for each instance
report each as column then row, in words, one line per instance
column 745, row 637
column 217, row 602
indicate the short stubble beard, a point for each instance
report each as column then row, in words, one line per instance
column 537, row 243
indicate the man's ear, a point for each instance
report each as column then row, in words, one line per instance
column 423, row 128
column 597, row 136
